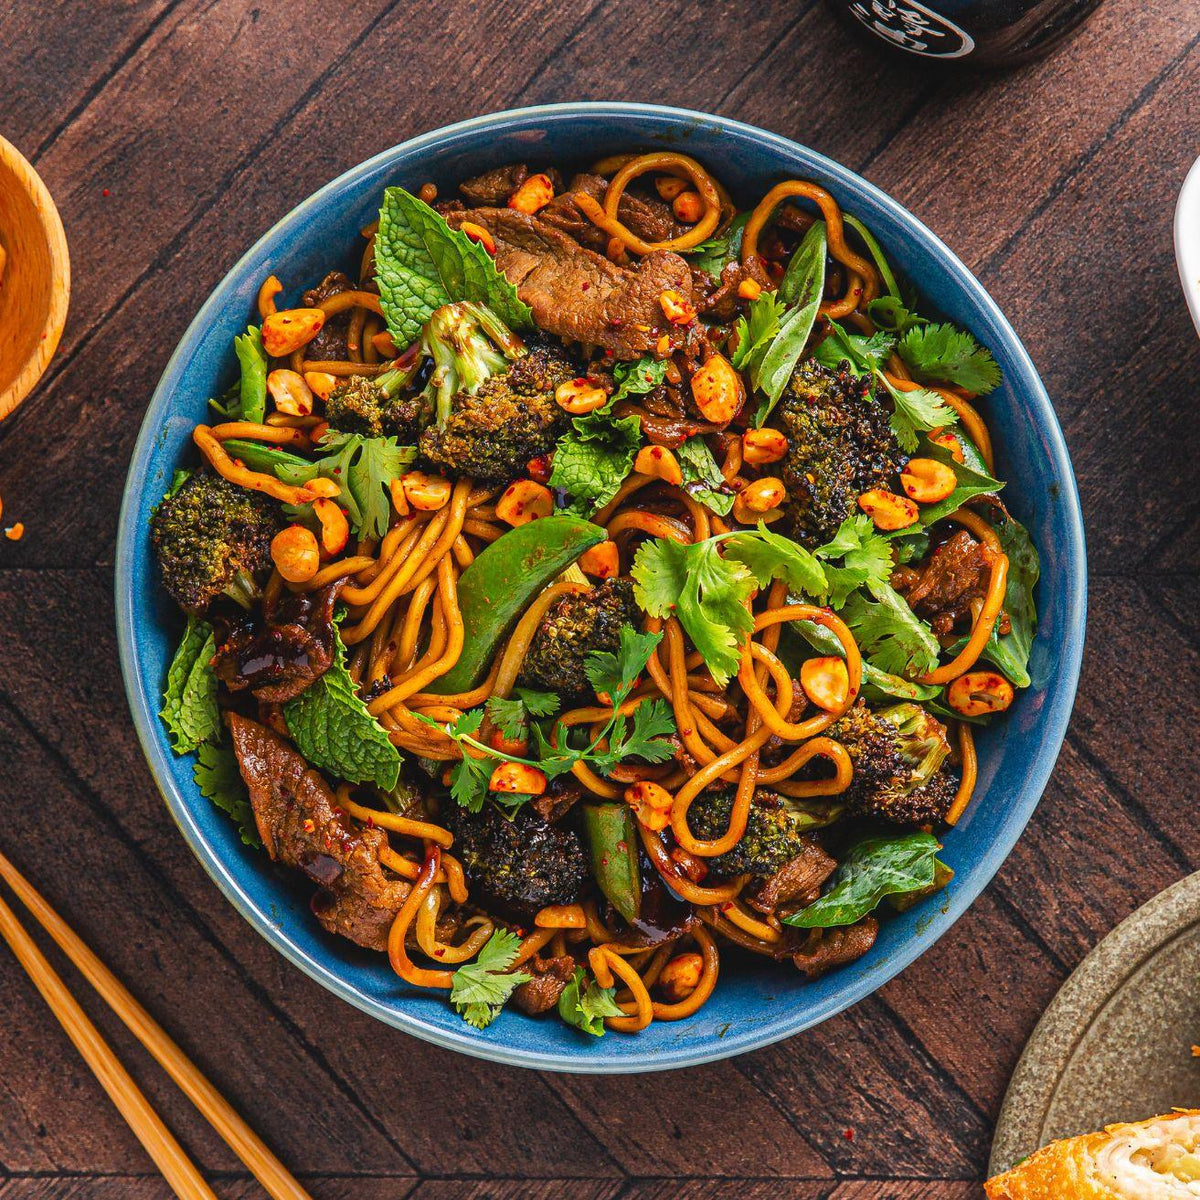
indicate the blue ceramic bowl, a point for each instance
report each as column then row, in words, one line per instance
column 753, row 1005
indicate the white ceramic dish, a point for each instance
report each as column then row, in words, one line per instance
column 1187, row 240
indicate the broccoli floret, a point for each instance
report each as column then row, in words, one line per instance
column 520, row 865
column 773, row 832
column 492, row 418
column 899, row 757
column 212, row 538
column 573, row 627
column 373, row 407
column 840, row 444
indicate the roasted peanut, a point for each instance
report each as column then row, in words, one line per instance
column 425, row 492
column 290, row 393
column 477, row 233
column 660, row 463
column 717, row 390
column 943, row 437
column 283, row 332
column 578, row 397
column 826, row 682
column 533, row 195
column 927, row 481
column 978, row 693
column 321, row 383
column 680, row 976
column 524, row 501
column 676, row 308
column 602, row 561
column 295, row 553
column 688, row 207
column 335, row 529
column 888, row 510
column 760, row 446
column 520, row 778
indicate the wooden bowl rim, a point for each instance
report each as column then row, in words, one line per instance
column 60, row 289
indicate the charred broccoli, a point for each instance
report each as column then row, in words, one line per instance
column 899, row 758
column 212, row 538
column 517, row 865
column 840, row 444
column 373, row 407
column 773, row 832
column 573, row 627
column 492, row 418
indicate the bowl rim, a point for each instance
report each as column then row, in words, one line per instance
column 1187, row 240
column 751, row 1037
column 50, row 223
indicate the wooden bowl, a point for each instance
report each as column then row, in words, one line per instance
column 35, row 284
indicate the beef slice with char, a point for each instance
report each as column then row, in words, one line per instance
column 641, row 213
column 578, row 294
column 301, row 826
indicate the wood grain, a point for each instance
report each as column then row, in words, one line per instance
column 172, row 133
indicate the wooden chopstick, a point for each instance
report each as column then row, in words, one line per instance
column 241, row 1139
column 170, row 1158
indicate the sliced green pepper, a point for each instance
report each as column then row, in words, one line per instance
column 613, row 846
column 499, row 585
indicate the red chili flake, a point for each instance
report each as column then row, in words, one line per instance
column 104, row 192
column 622, row 845
column 848, row 1134
column 616, row 322
column 337, row 470
column 584, row 286
column 438, row 952
column 726, row 905
column 580, row 381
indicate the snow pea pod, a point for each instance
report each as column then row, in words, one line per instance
column 613, row 849
column 499, row 585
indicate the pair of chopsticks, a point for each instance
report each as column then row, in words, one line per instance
column 170, row 1158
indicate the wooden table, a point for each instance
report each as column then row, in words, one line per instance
column 173, row 132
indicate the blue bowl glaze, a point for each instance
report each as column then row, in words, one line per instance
column 753, row 1006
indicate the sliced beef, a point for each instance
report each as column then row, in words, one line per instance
column 550, row 975
column 640, row 211
column 951, row 579
column 301, row 826
column 578, row 294
column 825, row 949
column 494, row 187
column 330, row 343
column 798, row 878
column 282, row 652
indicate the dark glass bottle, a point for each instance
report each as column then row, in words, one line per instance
column 976, row 33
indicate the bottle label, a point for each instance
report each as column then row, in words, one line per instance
column 911, row 26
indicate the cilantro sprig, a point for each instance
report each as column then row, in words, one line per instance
column 584, row 1004
column 480, row 989
column 946, row 354
column 638, row 735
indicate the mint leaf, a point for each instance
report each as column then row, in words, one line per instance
column 871, row 870
column 333, row 730
column 219, row 779
column 480, row 989
column 586, row 1007
column 190, row 701
column 593, row 458
column 421, row 264
column 637, row 378
column 702, row 478
column 252, row 391
column 946, row 354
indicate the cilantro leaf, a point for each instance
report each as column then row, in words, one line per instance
column 889, row 633
column 637, row 378
column 586, row 1007
column 715, row 254
column 616, row 674
column 755, row 328
column 363, row 467
column 866, row 558
column 947, row 354
column 538, row 704
column 916, row 412
column 702, row 478
column 252, row 389
column 593, row 458
column 189, row 708
column 773, row 556
column 511, row 714
column 219, row 779
column 705, row 591
column 333, row 729
column 421, row 264
column 480, row 989
column 651, row 720
column 893, row 315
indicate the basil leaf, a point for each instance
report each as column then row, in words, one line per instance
column 801, row 289
column 702, row 478
column 333, row 729
column 970, row 482
column 421, row 264
column 872, row 869
column 189, row 708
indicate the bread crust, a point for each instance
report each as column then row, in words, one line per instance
column 1066, row 1170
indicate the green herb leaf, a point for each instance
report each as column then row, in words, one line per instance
column 773, row 556
column 890, row 313
column 616, row 674
column 593, row 458
column 801, row 289
column 864, row 354
column 252, row 391
column 865, row 554
column 421, row 264
column 715, row 254
column 755, row 330
column 538, row 704
column 190, row 701
column 876, row 252
column 511, row 715
column 586, row 1007
column 970, row 482
column 702, row 478
column 637, row 378
column 871, row 870
column 889, row 634
column 706, row 592
column 333, row 730
column 480, row 989
column 946, row 354
column 916, row 412
column 220, row 780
